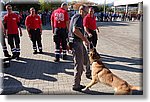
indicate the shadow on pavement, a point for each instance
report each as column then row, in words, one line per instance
column 69, row 57
column 92, row 92
column 131, row 61
column 100, row 24
column 13, row 86
column 37, row 69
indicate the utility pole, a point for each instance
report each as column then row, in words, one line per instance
column 104, row 6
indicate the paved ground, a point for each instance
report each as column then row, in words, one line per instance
column 120, row 46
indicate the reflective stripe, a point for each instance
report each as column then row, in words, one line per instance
column 64, row 54
column 4, row 49
column 17, row 51
column 40, row 48
column 34, row 48
column 57, row 53
column 64, row 50
column 13, row 50
column 57, row 50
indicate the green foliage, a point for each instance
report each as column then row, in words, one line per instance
column 46, row 6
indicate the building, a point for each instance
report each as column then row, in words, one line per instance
column 128, row 3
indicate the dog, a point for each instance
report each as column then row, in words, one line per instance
column 100, row 73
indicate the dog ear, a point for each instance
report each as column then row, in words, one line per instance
column 91, row 54
column 94, row 50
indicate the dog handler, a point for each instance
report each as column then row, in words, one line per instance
column 79, row 52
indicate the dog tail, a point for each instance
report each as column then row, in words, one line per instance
column 135, row 87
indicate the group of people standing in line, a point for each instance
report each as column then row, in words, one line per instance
column 81, row 29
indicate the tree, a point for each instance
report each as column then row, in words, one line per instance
column 46, row 6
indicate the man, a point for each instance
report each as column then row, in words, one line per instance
column 34, row 27
column 11, row 24
column 90, row 27
column 6, row 54
column 79, row 52
column 60, row 24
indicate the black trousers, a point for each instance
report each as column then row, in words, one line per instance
column 94, row 38
column 14, row 42
column 36, row 39
column 60, row 37
column 4, row 45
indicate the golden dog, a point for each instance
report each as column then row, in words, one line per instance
column 102, row 74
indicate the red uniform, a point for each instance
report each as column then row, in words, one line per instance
column 89, row 22
column 11, row 21
column 33, row 22
column 59, row 18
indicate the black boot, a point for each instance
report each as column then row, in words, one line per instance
column 17, row 55
column 14, row 55
column 35, row 52
column 41, row 52
column 6, row 54
column 64, row 57
column 57, row 58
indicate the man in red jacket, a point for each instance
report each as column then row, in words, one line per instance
column 90, row 27
column 6, row 54
column 60, row 24
column 11, row 25
column 34, row 27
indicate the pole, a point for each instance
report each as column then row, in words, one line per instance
column 105, row 6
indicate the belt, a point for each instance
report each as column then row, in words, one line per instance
column 35, row 29
column 60, row 28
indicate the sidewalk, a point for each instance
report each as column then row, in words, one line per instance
column 120, row 46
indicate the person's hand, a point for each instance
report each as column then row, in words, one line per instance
column 90, row 35
column 98, row 30
column 20, row 33
column 5, row 36
column 41, row 31
column 30, row 35
column 87, row 43
column 53, row 31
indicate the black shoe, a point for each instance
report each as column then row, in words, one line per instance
column 64, row 57
column 17, row 58
column 56, row 60
column 13, row 57
column 79, row 88
column 41, row 52
column 6, row 54
column 35, row 52
column 89, row 76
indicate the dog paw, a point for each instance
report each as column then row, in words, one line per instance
column 85, row 89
